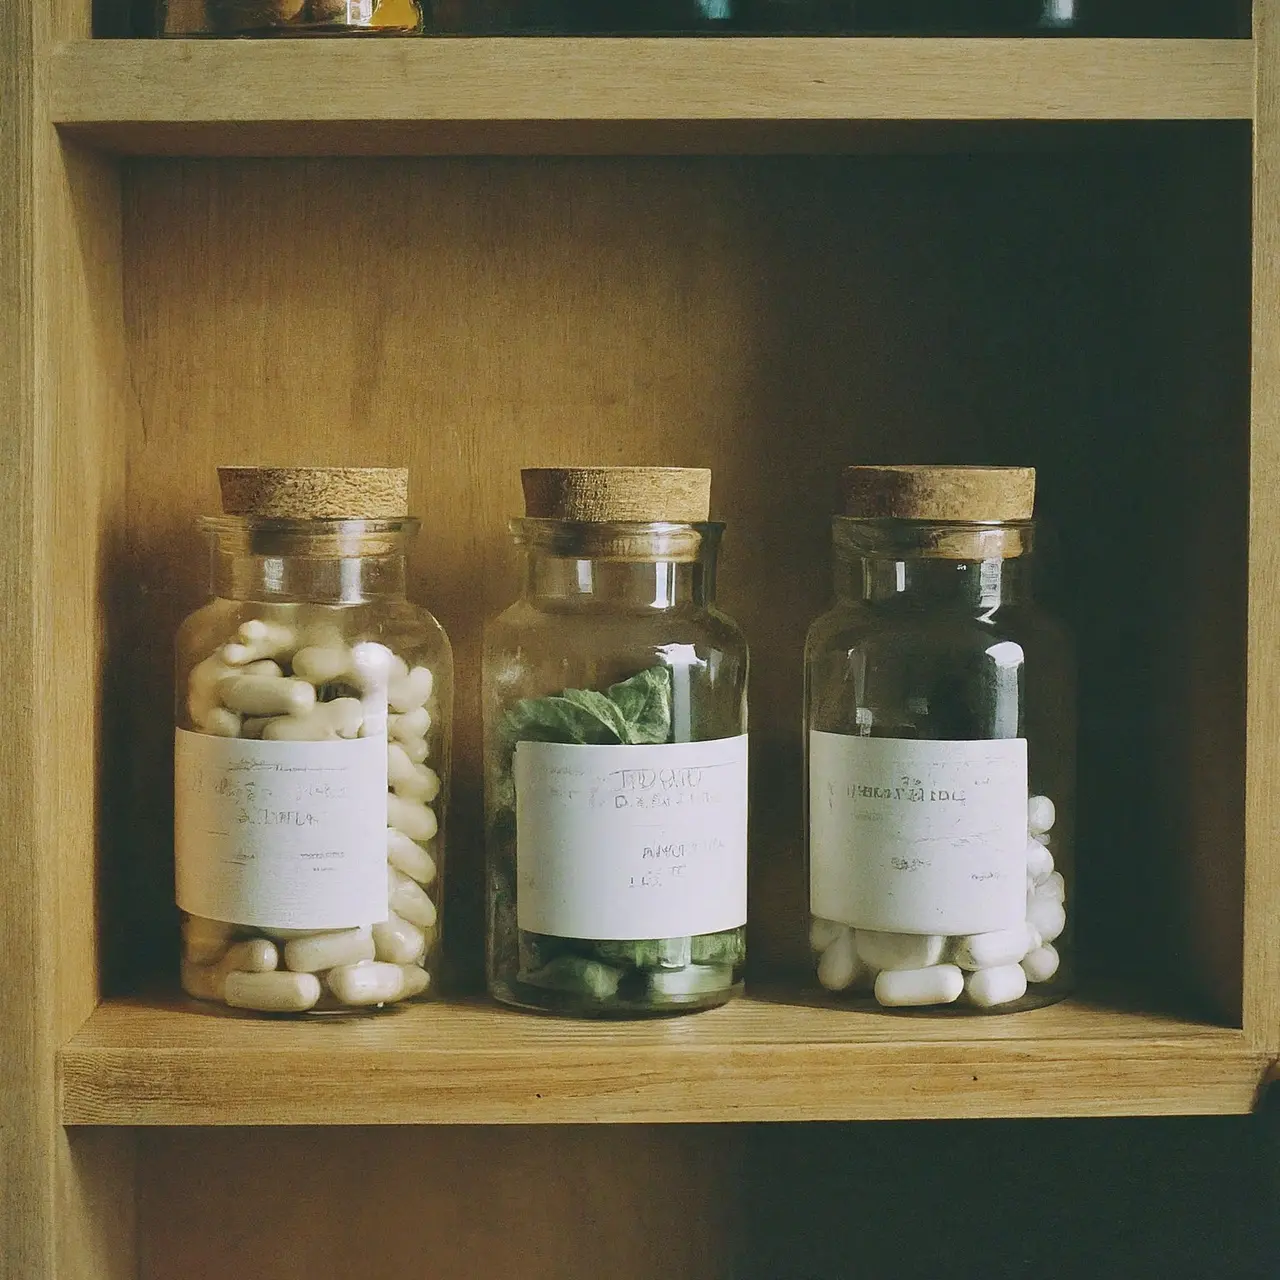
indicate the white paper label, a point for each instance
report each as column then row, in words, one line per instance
column 286, row 835
column 918, row 837
column 631, row 842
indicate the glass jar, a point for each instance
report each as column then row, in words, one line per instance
column 616, row 753
column 312, row 751
column 288, row 17
column 939, row 710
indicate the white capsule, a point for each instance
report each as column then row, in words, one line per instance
column 346, row 716
column 416, row 749
column 1040, row 814
column 411, row 691
column 372, row 665
column 1041, row 964
column 202, row 686
column 314, row 726
column 202, row 982
column 410, row 725
column 1053, row 886
column 321, row 664
column 1039, row 860
column 325, row 950
column 839, row 967
column 260, row 639
column 263, row 667
column 416, row 981
column 220, row 722
column 1004, row 984
column 266, row 695
column 822, row 933
column 366, row 983
column 1047, row 916
column 277, row 992
column 406, row 898
column 899, row 950
column 417, row 821
column 204, row 941
column 397, row 940
column 421, row 783
column 411, row 858
column 989, row 950
column 256, row 955
column 908, row 988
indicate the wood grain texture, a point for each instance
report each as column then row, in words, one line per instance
column 1262, row 892
column 774, row 319
column 155, row 1062
column 290, row 92
column 452, row 1204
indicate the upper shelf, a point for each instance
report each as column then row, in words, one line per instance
column 551, row 95
column 156, row 1062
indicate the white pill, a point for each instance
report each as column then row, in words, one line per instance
column 256, row 955
column 1041, row 964
column 1004, row 984
column 1040, row 814
column 202, row 686
column 899, row 950
column 314, row 726
column 204, row 941
column 411, row 858
column 321, row 664
column 989, row 950
column 1053, row 886
column 399, row 766
column 839, row 967
column 277, row 992
column 822, row 933
column 1047, row 916
column 397, row 940
column 413, row 724
column 325, row 950
column 263, row 667
column 266, row 695
column 416, row 749
column 1039, row 860
column 366, row 983
column 203, row 982
column 416, row 981
column 260, row 639
column 411, row 691
column 346, row 716
column 905, row 988
column 406, row 898
column 416, row 820
column 220, row 722
column 373, row 665
column 421, row 783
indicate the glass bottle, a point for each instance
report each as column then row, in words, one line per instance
column 311, row 752
column 939, row 709
column 616, row 753
column 288, row 17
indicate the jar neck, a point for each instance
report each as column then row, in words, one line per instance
column 340, row 562
column 945, row 566
column 620, row 566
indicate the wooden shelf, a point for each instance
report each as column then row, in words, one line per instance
column 211, row 97
column 156, row 1062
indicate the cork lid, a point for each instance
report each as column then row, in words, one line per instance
column 983, row 494
column 315, row 493
column 597, row 495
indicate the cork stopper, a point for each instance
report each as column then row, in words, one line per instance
column 596, row 495
column 315, row 493
column 979, row 494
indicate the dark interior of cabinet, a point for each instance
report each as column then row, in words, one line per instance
column 1221, row 19
column 1085, row 311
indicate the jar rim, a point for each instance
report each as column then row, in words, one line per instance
column 640, row 541
column 898, row 537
